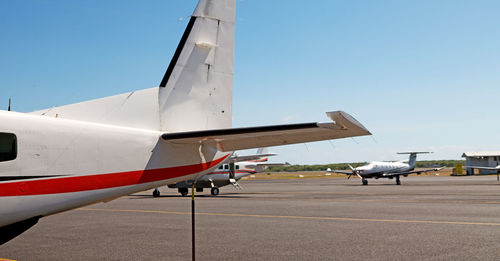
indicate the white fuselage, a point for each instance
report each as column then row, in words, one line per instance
column 63, row 164
column 379, row 168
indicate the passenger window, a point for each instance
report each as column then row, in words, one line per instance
column 237, row 167
column 8, row 146
column 226, row 166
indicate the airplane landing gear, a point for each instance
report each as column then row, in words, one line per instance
column 398, row 182
column 156, row 193
column 183, row 191
column 214, row 191
column 365, row 182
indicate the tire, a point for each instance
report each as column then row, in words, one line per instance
column 156, row 193
column 365, row 182
column 183, row 191
column 214, row 191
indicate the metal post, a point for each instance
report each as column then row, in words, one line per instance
column 193, row 252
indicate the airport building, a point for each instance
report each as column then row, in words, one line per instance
column 481, row 159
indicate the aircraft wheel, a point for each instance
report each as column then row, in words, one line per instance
column 183, row 191
column 214, row 191
column 156, row 193
column 365, row 182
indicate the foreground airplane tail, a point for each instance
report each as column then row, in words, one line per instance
column 195, row 92
column 193, row 104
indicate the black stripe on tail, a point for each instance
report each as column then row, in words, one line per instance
column 178, row 52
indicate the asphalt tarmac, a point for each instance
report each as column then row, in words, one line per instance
column 426, row 218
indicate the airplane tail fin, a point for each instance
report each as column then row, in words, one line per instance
column 196, row 90
column 413, row 156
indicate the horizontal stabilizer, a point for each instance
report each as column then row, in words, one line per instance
column 272, row 164
column 267, row 165
column 251, row 157
column 415, row 152
column 343, row 126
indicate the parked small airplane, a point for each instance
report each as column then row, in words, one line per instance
column 71, row 156
column 386, row 169
column 228, row 173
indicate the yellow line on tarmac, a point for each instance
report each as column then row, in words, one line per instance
column 298, row 217
column 4, row 259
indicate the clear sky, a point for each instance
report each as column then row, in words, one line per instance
column 420, row 75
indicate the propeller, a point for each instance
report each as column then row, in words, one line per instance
column 354, row 171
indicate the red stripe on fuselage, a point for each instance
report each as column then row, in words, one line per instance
column 101, row 181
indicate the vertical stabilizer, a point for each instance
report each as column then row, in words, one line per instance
column 412, row 160
column 196, row 91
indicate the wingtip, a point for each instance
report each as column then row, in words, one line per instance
column 341, row 117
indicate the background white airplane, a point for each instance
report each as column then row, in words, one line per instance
column 386, row 169
column 66, row 157
column 229, row 173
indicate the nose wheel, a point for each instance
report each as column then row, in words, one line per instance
column 156, row 193
column 365, row 182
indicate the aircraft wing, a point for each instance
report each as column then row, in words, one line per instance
column 251, row 157
column 343, row 126
column 340, row 172
column 417, row 172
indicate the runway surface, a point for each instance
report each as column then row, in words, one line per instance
column 426, row 218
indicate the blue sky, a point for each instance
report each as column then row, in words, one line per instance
column 421, row 75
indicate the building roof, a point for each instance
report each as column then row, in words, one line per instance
column 481, row 154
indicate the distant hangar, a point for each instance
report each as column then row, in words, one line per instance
column 487, row 159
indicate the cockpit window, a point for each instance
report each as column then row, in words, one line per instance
column 8, row 146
